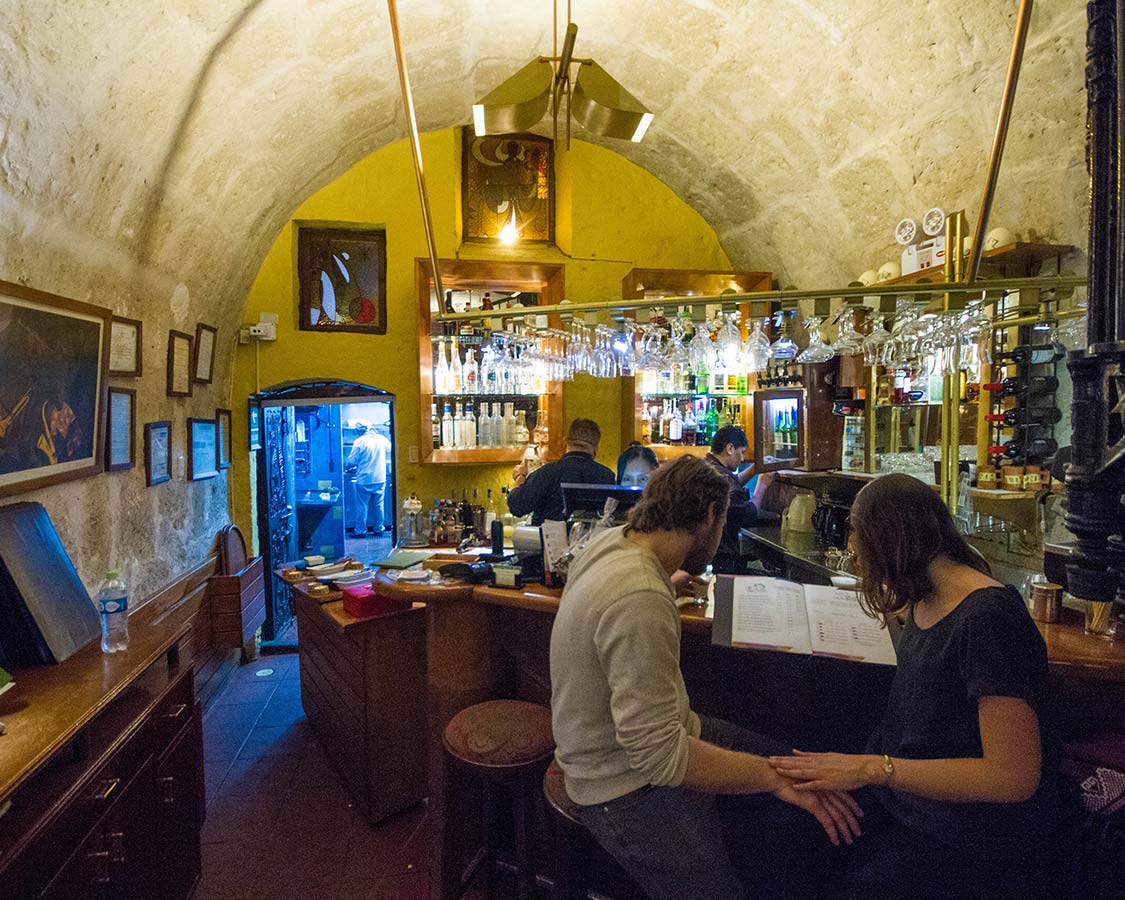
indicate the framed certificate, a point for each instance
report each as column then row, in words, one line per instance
column 124, row 346
column 120, row 442
column 202, row 449
column 223, row 438
column 204, row 363
column 179, row 364
column 158, row 453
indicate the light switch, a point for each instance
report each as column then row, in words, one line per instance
column 412, row 453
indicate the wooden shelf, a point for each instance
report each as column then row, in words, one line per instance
column 1017, row 254
column 672, row 451
column 477, row 456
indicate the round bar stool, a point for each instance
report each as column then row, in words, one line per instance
column 505, row 743
column 576, row 852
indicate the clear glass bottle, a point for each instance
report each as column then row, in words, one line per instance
column 456, row 370
column 448, row 431
column 470, row 372
column 484, row 427
column 435, row 426
column 521, row 435
column 441, row 371
column 676, row 426
column 459, row 428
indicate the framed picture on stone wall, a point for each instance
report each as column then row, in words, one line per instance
column 202, row 449
column 121, row 432
column 224, row 447
column 203, row 364
column 125, row 347
column 158, row 453
column 507, row 188
column 179, row 364
column 54, row 361
column 342, row 279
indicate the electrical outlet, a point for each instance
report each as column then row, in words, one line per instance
column 412, row 453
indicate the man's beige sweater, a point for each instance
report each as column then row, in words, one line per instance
column 619, row 708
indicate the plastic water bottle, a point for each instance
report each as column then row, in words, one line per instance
column 113, row 604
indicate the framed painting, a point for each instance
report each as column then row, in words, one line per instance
column 179, row 364
column 120, row 440
column 342, row 279
column 125, row 347
column 202, row 449
column 203, row 363
column 507, row 188
column 255, row 427
column 158, row 453
column 54, row 362
column 223, row 445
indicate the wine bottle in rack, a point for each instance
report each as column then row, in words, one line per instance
column 1024, row 386
column 1027, row 355
column 1026, row 416
column 1036, row 448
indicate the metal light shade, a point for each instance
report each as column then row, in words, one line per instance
column 604, row 107
column 517, row 103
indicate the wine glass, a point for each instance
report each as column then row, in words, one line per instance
column 848, row 341
column 817, row 351
column 729, row 343
column 784, row 347
column 757, row 347
column 875, row 343
column 700, row 349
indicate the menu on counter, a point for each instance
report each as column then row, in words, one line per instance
column 772, row 614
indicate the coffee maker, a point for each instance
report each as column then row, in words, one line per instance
column 830, row 522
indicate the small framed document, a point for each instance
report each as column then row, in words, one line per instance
column 179, row 364
column 120, row 442
column 204, row 363
column 158, row 453
column 202, row 449
column 223, row 441
column 125, row 347
column 255, row 420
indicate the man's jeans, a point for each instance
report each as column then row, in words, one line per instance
column 364, row 495
column 679, row 844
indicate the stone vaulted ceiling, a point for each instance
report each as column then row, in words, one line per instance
column 173, row 138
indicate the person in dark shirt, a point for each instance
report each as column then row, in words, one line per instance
column 540, row 493
column 957, row 787
column 728, row 450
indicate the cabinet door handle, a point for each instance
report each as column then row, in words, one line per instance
column 116, row 847
column 176, row 712
column 105, row 790
column 167, row 791
column 100, row 859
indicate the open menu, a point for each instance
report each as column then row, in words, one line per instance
column 772, row 614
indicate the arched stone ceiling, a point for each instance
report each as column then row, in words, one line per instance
column 174, row 137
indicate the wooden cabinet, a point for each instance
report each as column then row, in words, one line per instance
column 111, row 809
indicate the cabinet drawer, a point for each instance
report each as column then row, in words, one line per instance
column 91, row 801
column 173, row 712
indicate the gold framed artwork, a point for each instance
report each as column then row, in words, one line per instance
column 507, row 188
column 125, row 347
column 54, row 362
column 179, row 364
column 203, row 362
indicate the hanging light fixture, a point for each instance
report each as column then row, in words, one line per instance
column 596, row 98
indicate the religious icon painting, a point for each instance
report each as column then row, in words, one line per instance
column 507, row 188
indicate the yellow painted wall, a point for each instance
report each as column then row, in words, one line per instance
column 611, row 216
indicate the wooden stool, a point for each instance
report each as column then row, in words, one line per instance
column 576, row 850
column 501, row 742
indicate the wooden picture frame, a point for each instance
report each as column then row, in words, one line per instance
column 126, row 347
column 203, row 360
column 180, row 361
column 506, row 174
column 121, row 429
column 341, row 279
column 158, row 452
column 254, row 428
column 224, row 447
column 202, row 449
column 52, row 388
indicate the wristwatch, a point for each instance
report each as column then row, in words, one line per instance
column 889, row 770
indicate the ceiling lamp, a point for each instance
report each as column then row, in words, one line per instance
column 595, row 97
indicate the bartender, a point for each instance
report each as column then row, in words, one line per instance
column 728, row 451
column 540, row 493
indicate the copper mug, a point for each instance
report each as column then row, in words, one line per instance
column 1046, row 601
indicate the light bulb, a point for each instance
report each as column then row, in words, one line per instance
column 509, row 234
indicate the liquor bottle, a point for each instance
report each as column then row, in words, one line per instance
column 448, row 432
column 711, row 419
column 478, row 517
column 676, row 426
column 522, row 436
column 1038, row 448
column 689, row 432
column 657, row 425
column 646, row 426
column 435, row 426
column 509, row 425
column 456, row 371
column 497, row 425
column 1025, row 386
column 484, row 427
column 898, row 395
column 470, row 371
column 470, row 427
column 486, row 303
column 490, row 510
column 441, row 371
column 458, row 427
column 732, row 382
column 449, row 302
column 743, row 383
column 1027, row 416
column 718, row 381
column 465, row 510
column 666, row 423
column 1027, row 355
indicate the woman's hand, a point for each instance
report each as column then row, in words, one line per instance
column 829, row 771
column 836, row 811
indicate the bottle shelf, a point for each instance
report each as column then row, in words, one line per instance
column 477, row 455
column 488, row 398
column 671, row 451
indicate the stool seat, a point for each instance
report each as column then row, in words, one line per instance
column 554, row 789
column 501, row 734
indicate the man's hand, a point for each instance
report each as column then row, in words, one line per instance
column 688, row 585
column 836, row 811
column 829, row 771
column 519, row 472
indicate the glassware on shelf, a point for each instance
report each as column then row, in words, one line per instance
column 624, row 347
column 701, row 350
column 784, row 347
column 874, row 345
column 848, row 341
column 817, row 351
column 679, row 360
column 729, row 342
column 756, row 351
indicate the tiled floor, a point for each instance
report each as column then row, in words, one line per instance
column 368, row 549
column 280, row 825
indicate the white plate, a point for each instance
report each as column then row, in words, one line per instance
column 418, row 574
column 844, row 581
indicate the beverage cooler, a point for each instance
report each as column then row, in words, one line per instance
column 794, row 427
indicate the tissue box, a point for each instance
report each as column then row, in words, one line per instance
column 362, row 602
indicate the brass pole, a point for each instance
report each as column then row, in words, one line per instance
column 416, row 147
column 1019, row 41
column 870, row 420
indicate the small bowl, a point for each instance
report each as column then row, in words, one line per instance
column 314, row 560
column 845, row 582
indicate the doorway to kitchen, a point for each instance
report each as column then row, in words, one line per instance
column 325, row 476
